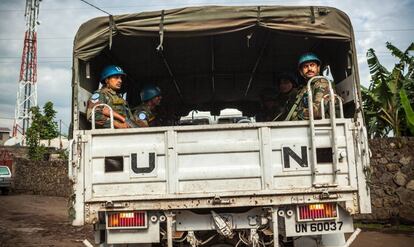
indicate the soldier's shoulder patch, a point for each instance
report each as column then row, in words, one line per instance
column 95, row 96
column 142, row 116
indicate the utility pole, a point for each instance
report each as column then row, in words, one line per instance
column 60, row 133
column 27, row 89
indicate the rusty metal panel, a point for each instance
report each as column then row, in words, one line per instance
column 6, row 159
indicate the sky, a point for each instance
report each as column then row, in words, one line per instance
column 374, row 22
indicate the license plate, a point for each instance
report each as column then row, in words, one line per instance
column 319, row 227
column 343, row 223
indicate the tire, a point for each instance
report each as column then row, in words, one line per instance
column 5, row 191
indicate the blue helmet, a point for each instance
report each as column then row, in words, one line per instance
column 111, row 70
column 149, row 92
column 308, row 57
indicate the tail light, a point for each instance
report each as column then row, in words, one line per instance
column 320, row 211
column 136, row 219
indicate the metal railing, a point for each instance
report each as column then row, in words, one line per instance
column 111, row 114
column 332, row 115
column 341, row 107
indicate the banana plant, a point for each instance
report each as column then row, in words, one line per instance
column 384, row 111
column 408, row 111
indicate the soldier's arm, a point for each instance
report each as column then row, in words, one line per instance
column 107, row 112
column 100, row 118
column 119, row 125
column 321, row 88
column 141, row 118
column 103, row 113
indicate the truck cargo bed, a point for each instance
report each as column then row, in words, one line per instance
column 185, row 162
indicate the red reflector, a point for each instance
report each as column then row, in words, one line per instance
column 127, row 219
column 317, row 211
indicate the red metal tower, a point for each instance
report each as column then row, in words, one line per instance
column 27, row 89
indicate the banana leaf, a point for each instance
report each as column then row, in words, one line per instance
column 409, row 113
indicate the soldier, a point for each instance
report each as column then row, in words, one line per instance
column 111, row 77
column 309, row 65
column 151, row 98
column 287, row 95
column 268, row 108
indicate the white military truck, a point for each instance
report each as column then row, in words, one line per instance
column 235, row 184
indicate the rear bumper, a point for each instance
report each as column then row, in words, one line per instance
column 5, row 184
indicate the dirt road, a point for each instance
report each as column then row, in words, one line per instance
column 380, row 239
column 27, row 220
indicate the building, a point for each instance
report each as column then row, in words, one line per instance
column 4, row 134
column 61, row 142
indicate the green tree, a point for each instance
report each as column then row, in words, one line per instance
column 50, row 128
column 43, row 127
column 384, row 111
column 36, row 151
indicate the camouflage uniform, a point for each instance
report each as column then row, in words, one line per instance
column 284, row 103
column 266, row 115
column 107, row 96
column 144, row 115
column 320, row 87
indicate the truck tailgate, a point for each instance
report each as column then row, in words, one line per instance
column 194, row 161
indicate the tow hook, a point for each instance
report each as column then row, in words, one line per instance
column 111, row 204
column 217, row 200
column 325, row 195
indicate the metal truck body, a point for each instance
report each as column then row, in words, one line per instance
column 237, row 184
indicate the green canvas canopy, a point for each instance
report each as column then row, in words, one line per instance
column 319, row 22
column 210, row 58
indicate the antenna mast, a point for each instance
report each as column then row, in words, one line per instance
column 27, row 89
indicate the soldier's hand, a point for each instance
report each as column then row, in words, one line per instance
column 125, row 125
column 306, row 113
column 119, row 125
column 141, row 123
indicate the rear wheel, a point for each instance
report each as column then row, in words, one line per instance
column 5, row 191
